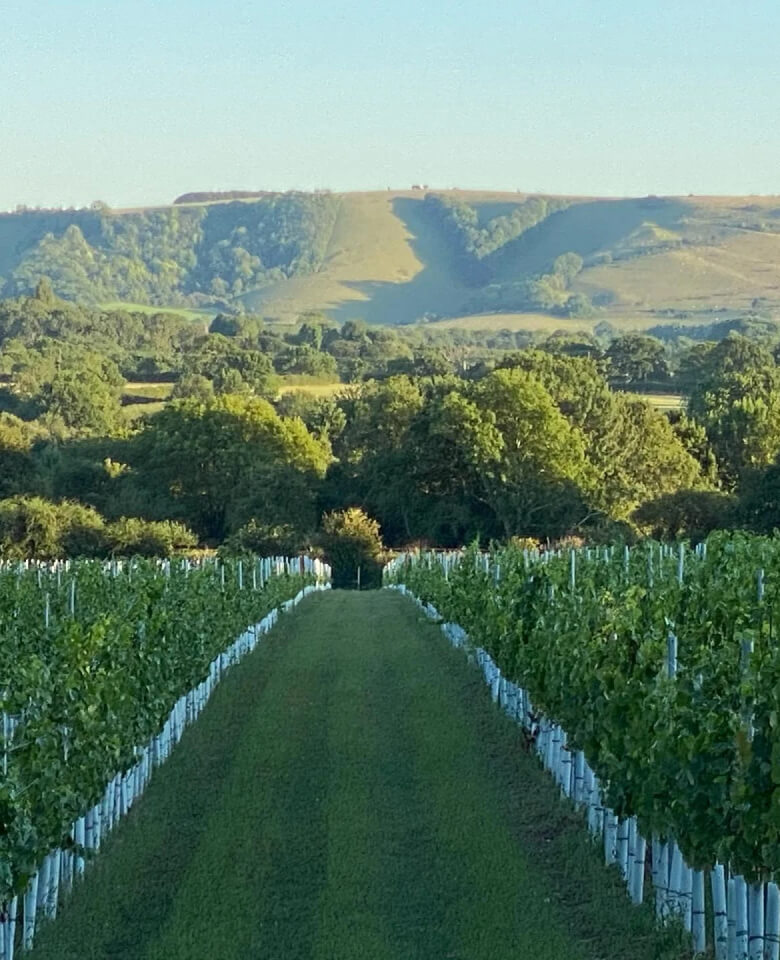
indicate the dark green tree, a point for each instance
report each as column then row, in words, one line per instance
column 221, row 464
column 634, row 358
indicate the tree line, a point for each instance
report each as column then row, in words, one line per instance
column 171, row 255
column 440, row 443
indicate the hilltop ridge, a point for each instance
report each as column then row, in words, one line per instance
column 485, row 258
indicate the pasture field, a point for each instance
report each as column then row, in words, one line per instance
column 314, row 389
column 543, row 323
column 334, row 802
column 201, row 316
column 148, row 390
column 665, row 402
column 144, row 399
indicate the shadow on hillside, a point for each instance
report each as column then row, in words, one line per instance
column 436, row 289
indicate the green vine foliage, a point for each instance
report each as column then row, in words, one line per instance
column 88, row 689
column 695, row 756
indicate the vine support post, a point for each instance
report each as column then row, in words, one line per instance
column 698, row 916
column 630, row 849
column 579, row 777
column 720, row 912
column 30, row 911
column 676, row 867
column 638, row 869
column 671, row 654
column 772, row 923
column 54, row 884
column 661, row 878
column 9, row 929
column 79, row 835
column 610, row 837
column 740, row 918
column 755, row 894
column 686, row 896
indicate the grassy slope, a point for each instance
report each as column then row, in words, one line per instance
column 745, row 265
column 386, row 264
column 351, row 793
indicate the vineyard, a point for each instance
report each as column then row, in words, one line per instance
column 103, row 666
column 646, row 680
column 649, row 682
column 351, row 792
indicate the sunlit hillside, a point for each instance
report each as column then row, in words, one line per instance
column 396, row 257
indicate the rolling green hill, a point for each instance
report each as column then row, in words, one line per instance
column 476, row 259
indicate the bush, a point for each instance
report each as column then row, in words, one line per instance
column 263, row 539
column 31, row 527
column 689, row 514
column 147, row 538
column 353, row 547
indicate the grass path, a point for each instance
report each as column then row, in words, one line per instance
column 351, row 794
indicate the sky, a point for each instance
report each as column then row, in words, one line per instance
column 133, row 102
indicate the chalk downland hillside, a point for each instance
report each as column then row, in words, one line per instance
column 392, row 257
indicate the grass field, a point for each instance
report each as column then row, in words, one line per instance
column 665, row 402
column 142, row 400
column 351, row 793
column 729, row 274
column 534, row 322
column 314, row 389
column 154, row 390
column 202, row 316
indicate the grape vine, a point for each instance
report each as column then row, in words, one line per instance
column 693, row 753
column 92, row 658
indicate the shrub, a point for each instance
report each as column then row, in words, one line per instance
column 147, row 538
column 691, row 514
column 263, row 539
column 353, row 547
column 31, row 527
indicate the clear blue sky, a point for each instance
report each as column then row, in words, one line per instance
column 134, row 101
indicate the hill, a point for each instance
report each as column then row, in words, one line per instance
column 458, row 257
